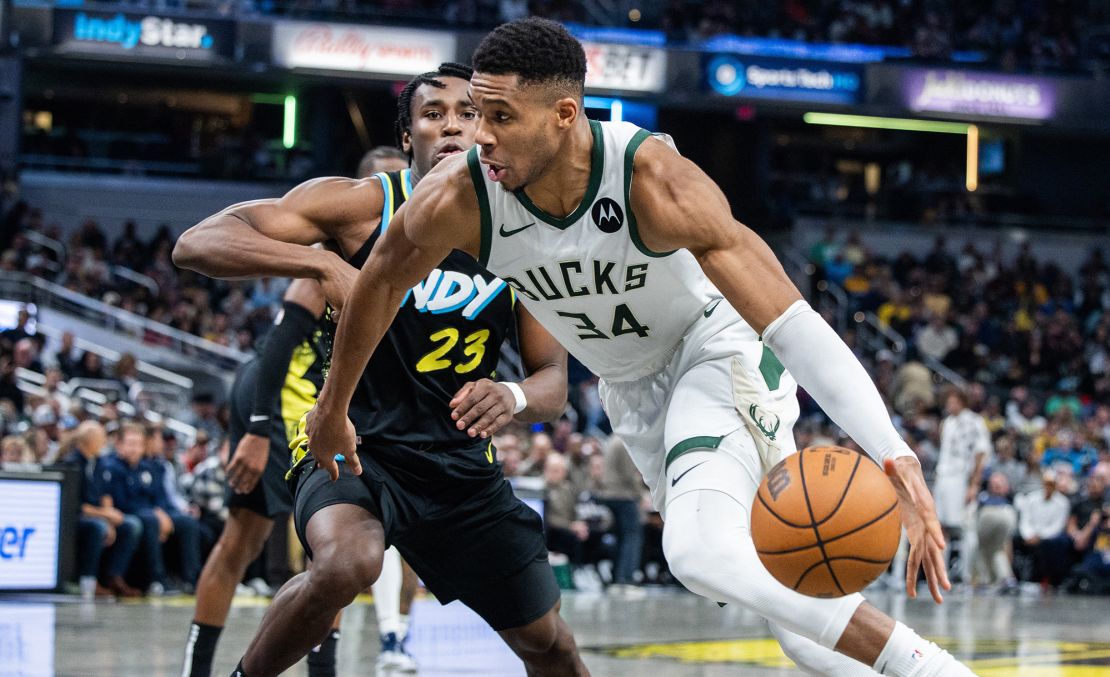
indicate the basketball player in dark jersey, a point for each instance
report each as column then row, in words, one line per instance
column 424, row 413
column 269, row 396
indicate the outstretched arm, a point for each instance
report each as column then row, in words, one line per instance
column 273, row 237
column 440, row 216
column 678, row 206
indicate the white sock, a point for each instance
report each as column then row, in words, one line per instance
column 404, row 622
column 387, row 594
column 907, row 654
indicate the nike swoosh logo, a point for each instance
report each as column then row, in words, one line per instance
column 507, row 233
column 256, row 418
column 676, row 479
column 710, row 309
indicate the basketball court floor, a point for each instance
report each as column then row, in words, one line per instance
column 666, row 633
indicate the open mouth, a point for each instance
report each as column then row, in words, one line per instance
column 495, row 171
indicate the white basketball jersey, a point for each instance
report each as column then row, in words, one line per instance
column 618, row 307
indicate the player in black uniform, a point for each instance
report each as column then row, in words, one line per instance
column 430, row 483
column 269, row 396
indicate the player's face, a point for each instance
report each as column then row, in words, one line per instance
column 520, row 129
column 443, row 123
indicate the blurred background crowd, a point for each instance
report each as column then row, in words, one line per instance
column 1022, row 421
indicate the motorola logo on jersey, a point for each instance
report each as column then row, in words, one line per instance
column 608, row 216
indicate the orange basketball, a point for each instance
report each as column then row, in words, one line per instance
column 826, row 522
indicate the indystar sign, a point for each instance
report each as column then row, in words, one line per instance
column 979, row 94
column 121, row 33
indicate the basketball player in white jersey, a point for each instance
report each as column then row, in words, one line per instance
column 629, row 255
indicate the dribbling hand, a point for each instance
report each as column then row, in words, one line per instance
column 919, row 517
column 330, row 434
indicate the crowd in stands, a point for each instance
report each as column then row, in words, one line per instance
column 1040, row 35
column 1032, row 343
column 230, row 314
column 1029, row 339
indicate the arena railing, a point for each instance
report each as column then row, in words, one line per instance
column 136, row 278
column 23, row 286
column 59, row 250
column 823, row 296
column 92, row 400
column 50, row 243
column 869, row 329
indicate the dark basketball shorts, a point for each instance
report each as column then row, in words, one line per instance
column 271, row 496
column 454, row 518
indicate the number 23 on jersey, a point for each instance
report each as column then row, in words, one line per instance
column 444, row 355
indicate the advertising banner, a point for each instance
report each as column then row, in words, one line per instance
column 139, row 36
column 30, row 520
column 999, row 95
column 364, row 49
column 783, row 80
column 628, row 68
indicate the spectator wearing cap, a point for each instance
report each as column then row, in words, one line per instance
column 106, row 537
column 1042, row 518
column 1078, row 536
column 136, row 489
column 45, row 420
column 204, row 417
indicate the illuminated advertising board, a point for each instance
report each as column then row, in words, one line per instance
column 30, row 527
column 364, row 49
column 134, row 35
column 936, row 90
column 783, row 80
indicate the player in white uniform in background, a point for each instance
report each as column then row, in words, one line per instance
column 965, row 448
column 685, row 314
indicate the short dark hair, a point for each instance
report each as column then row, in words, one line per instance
column 366, row 164
column 448, row 69
column 539, row 51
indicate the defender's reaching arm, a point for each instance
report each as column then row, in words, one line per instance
column 273, row 237
column 441, row 215
column 678, row 206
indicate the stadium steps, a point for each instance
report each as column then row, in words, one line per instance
column 166, row 356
